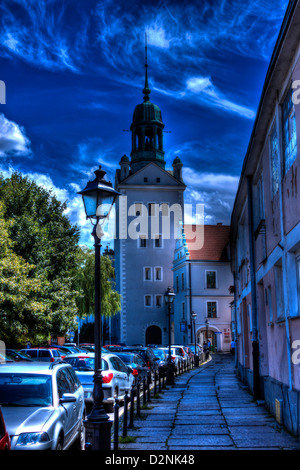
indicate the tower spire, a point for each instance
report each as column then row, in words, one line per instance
column 146, row 90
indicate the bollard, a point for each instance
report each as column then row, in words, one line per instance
column 138, row 405
column 132, row 393
column 155, row 377
column 125, row 416
column 144, row 391
column 159, row 381
column 116, row 424
column 148, row 389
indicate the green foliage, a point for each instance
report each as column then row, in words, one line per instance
column 85, row 283
column 38, row 263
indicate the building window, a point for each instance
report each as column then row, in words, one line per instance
column 289, row 131
column 182, row 281
column 142, row 241
column 158, row 274
column 147, row 274
column 152, row 209
column 158, row 180
column 183, row 310
column 158, row 241
column 138, row 208
column 176, row 284
column 145, row 180
column 211, row 279
column 148, row 301
column 165, row 209
column 158, row 301
column 275, row 166
column 211, row 309
column 279, row 291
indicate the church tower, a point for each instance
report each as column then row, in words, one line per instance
column 151, row 198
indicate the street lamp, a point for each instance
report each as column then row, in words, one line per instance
column 194, row 316
column 169, row 299
column 98, row 198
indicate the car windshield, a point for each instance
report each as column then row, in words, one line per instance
column 126, row 358
column 84, row 363
column 159, row 354
column 17, row 389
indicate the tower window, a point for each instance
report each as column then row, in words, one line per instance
column 147, row 274
column 142, row 241
column 158, row 274
column 148, row 301
column 158, row 180
column 158, row 301
column 145, row 180
column 158, row 241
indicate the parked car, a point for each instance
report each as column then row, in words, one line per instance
column 162, row 357
column 117, row 378
column 87, row 346
column 182, row 352
column 17, row 356
column 113, row 347
column 198, row 349
column 43, row 354
column 4, row 436
column 175, row 356
column 189, row 353
column 147, row 354
column 43, row 406
column 136, row 363
column 5, row 359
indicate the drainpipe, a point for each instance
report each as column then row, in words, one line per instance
column 190, row 282
column 255, row 345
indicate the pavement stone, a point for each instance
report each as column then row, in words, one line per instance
column 208, row 408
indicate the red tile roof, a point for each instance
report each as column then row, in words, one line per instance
column 212, row 247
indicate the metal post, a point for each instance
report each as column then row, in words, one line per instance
column 138, row 405
column 125, row 416
column 132, row 392
column 144, row 391
column 98, row 425
column 116, row 424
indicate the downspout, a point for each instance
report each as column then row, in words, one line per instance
column 255, row 345
column 190, row 294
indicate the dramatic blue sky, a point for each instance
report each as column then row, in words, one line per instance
column 74, row 71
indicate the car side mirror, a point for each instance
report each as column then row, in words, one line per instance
column 68, row 398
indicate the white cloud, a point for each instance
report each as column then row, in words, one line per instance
column 13, row 140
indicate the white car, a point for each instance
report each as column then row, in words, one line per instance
column 175, row 356
column 116, row 377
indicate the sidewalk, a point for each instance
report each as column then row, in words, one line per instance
column 208, row 408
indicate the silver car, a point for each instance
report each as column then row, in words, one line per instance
column 116, row 377
column 43, row 406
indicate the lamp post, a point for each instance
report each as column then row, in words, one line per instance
column 98, row 198
column 169, row 299
column 194, row 316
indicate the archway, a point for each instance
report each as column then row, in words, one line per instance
column 153, row 335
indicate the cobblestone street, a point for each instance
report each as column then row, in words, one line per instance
column 208, row 409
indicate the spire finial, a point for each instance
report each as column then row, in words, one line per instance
column 146, row 90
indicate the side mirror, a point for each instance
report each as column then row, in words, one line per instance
column 67, row 398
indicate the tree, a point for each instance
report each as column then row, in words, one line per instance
column 38, row 265
column 110, row 298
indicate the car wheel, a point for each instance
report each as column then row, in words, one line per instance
column 80, row 442
column 59, row 445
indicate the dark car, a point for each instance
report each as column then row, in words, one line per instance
column 147, row 354
column 162, row 357
column 17, row 356
column 4, row 436
column 136, row 363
